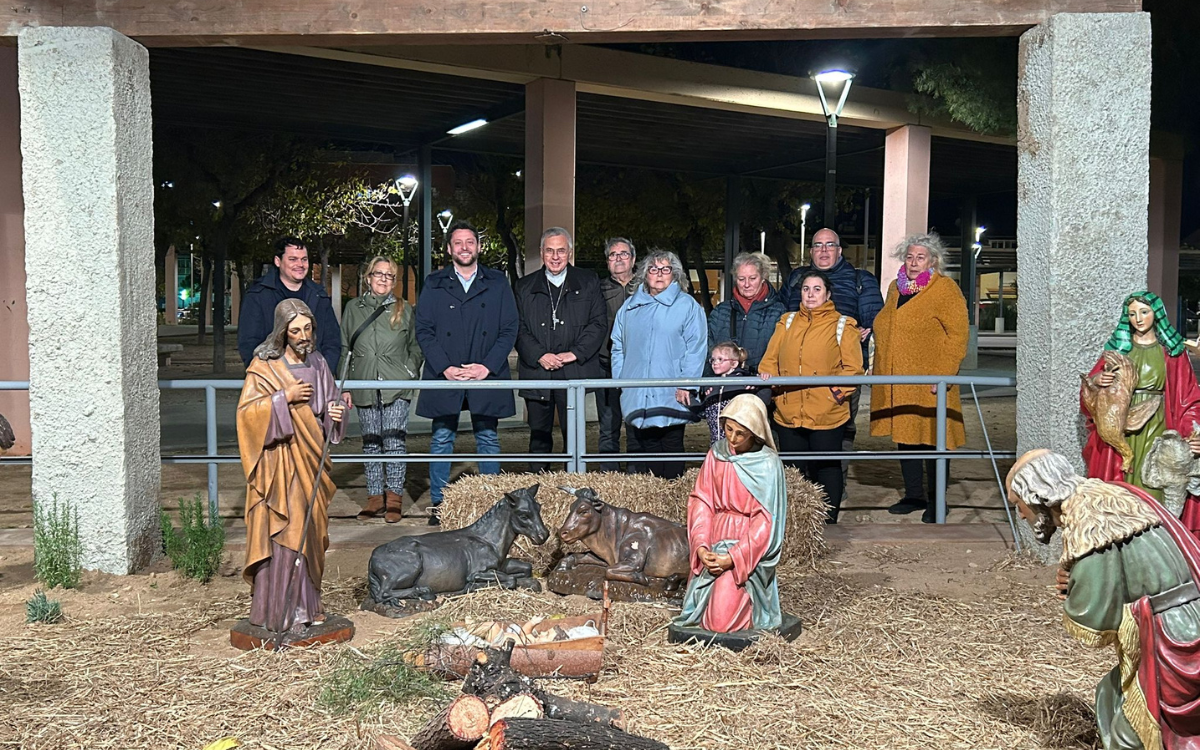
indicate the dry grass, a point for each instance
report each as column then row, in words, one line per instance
column 467, row 499
column 874, row 669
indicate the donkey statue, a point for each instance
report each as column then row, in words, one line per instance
column 453, row 562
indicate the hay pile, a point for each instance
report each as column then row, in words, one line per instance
column 875, row 669
column 469, row 497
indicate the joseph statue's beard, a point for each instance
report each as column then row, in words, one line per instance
column 302, row 349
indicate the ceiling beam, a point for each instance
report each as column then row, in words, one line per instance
column 341, row 22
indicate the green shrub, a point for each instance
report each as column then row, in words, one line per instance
column 41, row 609
column 195, row 548
column 57, row 553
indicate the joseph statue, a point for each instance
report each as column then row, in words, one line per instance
column 289, row 403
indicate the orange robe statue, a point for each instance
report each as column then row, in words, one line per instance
column 281, row 445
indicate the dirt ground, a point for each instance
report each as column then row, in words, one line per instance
column 935, row 645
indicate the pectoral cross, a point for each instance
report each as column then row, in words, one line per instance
column 554, row 321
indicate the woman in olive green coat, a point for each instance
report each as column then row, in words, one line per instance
column 385, row 349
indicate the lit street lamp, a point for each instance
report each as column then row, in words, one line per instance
column 803, row 227
column 444, row 219
column 406, row 186
column 834, row 80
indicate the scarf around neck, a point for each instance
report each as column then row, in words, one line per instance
column 907, row 286
column 746, row 302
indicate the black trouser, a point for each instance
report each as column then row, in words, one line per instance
column 608, row 413
column 541, row 425
column 828, row 474
column 910, row 468
column 656, row 440
column 848, row 438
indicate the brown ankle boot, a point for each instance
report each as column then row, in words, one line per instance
column 394, row 504
column 373, row 509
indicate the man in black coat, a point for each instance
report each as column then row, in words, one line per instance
column 466, row 324
column 620, row 254
column 563, row 323
column 289, row 280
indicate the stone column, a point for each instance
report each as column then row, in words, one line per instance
column 171, row 287
column 549, row 162
column 905, row 192
column 235, row 294
column 1166, row 211
column 1083, row 145
column 14, row 325
column 86, row 147
column 336, row 294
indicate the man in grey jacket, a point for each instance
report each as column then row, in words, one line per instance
column 618, row 287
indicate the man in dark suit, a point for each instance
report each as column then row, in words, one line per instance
column 466, row 324
column 563, row 329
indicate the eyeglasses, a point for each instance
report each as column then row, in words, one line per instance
column 384, row 276
column 719, row 360
column 829, row 245
column 622, row 255
column 658, row 270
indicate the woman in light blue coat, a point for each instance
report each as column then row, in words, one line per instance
column 660, row 332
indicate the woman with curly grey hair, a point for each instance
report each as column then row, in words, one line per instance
column 658, row 333
column 922, row 330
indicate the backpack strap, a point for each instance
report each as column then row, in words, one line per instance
column 841, row 327
column 787, row 322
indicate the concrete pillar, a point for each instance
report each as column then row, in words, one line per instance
column 549, row 162
column 171, row 287
column 905, row 192
column 86, row 148
column 14, row 324
column 1165, row 218
column 1082, row 208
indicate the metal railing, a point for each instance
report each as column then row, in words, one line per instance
column 576, row 456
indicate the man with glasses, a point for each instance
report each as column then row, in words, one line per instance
column 620, row 254
column 560, row 337
column 855, row 294
column 466, row 324
column 289, row 280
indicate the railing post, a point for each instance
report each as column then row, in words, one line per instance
column 581, row 432
column 210, row 429
column 941, row 446
column 572, row 433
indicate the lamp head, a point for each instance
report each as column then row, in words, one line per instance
column 833, row 79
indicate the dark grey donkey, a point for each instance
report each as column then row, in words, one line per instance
column 449, row 562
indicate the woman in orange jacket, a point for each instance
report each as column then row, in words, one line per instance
column 815, row 340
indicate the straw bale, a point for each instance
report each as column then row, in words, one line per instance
column 468, row 498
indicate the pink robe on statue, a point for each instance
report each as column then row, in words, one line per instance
column 721, row 508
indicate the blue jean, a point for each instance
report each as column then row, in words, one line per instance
column 445, row 430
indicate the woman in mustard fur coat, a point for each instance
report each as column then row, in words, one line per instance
column 922, row 330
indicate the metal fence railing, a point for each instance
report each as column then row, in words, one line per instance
column 577, row 457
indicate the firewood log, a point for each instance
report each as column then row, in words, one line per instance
column 523, row 706
column 583, row 713
column 458, row 726
column 548, row 734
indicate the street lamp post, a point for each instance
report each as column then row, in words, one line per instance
column 406, row 186
column 833, row 79
column 444, row 219
column 803, row 227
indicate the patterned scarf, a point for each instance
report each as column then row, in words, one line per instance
column 1122, row 336
column 907, row 286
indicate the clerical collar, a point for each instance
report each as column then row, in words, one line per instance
column 557, row 279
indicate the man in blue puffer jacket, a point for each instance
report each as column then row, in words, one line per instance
column 856, row 294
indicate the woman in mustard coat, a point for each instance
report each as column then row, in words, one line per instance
column 922, row 330
column 814, row 340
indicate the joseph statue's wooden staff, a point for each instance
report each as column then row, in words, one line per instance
column 293, row 584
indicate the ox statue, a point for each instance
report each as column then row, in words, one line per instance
column 452, row 562
column 633, row 547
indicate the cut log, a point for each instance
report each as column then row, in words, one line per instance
column 458, row 726
column 583, row 713
column 548, row 734
column 523, row 706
